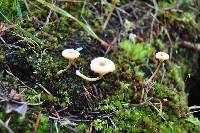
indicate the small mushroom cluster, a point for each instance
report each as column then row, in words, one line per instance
column 100, row 65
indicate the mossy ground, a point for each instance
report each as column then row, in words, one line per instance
column 121, row 101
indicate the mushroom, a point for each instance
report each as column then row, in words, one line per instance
column 133, row 38
column 99, row 65
column 71, row 55
column 161, row 56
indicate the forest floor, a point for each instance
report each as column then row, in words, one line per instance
column 34, row 98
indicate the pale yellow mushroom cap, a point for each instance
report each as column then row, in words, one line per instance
column 70, row 54
column 102, row 65
column 162, row 56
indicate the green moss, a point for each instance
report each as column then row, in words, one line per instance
column 43, row 127
column 81, row 128
column 139, row 52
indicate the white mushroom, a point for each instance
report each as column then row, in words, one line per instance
column 132, row 37
column 161, row 56
column 99, row 65
column 71, row 55
column 102, row 66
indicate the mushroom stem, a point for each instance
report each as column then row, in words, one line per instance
column 71, row 63
column 156, row 71
column 78, row 73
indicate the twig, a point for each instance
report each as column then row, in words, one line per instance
column 161, row 106
column 120, row 18
column 121, row 10
column 112, row 123
column 56, row 113
column 48, row 17
column 194, row 107
column 41, row 86
column 82, row 11
column 163, row 74
column 37, row 122
column 193, row 112
column 142, row 95
column 90, row 129
column 11, row 74
column 5, row 126
column 8, row 45
column 110, row 14
column 154, row 18
column 27, row 7
column 56, row 125
column 110, row 46
column 147, row 88
column 191, row 45
column 157, row 110
column 7, row 121
column 170, row 42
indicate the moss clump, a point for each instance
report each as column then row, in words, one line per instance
column 137, row 51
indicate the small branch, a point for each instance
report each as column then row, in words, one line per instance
column 193, row 112
column 110, row 14
column 154, row 19
column 90, row 129
column 190, row 45
column 157, row 110
column 170, row 42
column 161, row 107
column 37, row 122
column 163, row 74
column 41, row 86
column 142, row 95
column 11, row 74
column 194, row 107
column 27, row 6
column 5, row 126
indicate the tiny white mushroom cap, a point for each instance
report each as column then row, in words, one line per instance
column 162, row 56
column 102, row 66
column 70, row 54
column 132, row 37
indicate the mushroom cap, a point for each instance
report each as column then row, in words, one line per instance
column 162, row 56
column 70, row 54
column 132, row 37
column 102, row 65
